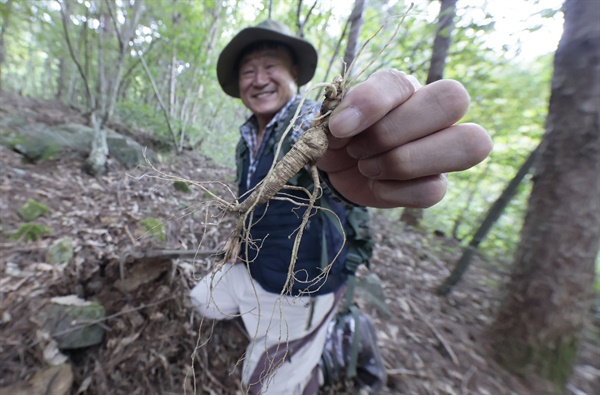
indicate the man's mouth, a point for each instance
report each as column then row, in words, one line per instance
column 263, row 94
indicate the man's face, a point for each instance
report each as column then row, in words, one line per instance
column 267, row 80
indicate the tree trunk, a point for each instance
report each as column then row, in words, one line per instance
column 489, row 221
column 442, row 41
column 441, row 45
column 109, row 79
column 333, row 57
column 537, row 329
column 95, row 163
column 473, row 186
column 61, row 79
column 5, row 20
column 172, row 83
column 356, row 22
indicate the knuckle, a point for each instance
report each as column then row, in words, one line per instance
column 397, row 83
column 399, row 163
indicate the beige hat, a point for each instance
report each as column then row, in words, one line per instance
column 268, row 30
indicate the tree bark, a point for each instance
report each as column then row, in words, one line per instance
column 442, row 40
column 356, row 21
column 537, row 329
column 473, row 186
column 61, row 79
column 492, row 216
column 441, row 45
column 333, row 57
column 7, row 9
column 109, row 80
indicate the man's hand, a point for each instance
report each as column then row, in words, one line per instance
column 392, row 141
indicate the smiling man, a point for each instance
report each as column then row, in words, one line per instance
column 391, row 143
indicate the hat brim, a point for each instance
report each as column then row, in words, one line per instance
column 227, row 74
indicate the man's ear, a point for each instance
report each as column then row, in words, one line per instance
column 295, row 73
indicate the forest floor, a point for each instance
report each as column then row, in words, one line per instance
column 430, row 344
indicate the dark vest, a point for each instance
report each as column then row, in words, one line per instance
column 275, row 227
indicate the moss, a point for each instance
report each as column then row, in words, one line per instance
column 32, row 210
column 13, row 141
column 550, row 360
column 51, row 151
column 182, row 186
column 60, row 252
column 154, row 227
column 31, row 232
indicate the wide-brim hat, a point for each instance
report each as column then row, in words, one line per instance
column 269, row 30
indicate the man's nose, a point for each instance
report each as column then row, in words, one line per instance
column 261, row 77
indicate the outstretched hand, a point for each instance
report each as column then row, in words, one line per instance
column 392, row 141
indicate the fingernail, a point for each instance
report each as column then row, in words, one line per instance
column 344, row 123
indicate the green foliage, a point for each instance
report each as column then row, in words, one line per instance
column 32, row 210
column 181, row 186
column 153, row 227
column 31, row 232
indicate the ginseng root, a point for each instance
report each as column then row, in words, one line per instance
column 309, row 148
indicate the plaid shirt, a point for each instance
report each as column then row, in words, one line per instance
column 249, row 130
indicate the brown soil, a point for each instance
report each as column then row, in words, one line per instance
column 430, row 345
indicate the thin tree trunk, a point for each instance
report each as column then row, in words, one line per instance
column 333, row 57
column 538, row 327
column 442, row 40
column 299, row 23
column 3, row 29
column 172, row 83
column 473, row 191
column 356, row 21
column 173, row 75
column 160, row 102
column 60, row 79
column 95, row 163
column 441, row 46
column 84, row 76
column 492, row 216
column 124, row 36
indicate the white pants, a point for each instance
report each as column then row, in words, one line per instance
column 273, row 323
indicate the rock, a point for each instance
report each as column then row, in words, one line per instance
column 73, row 322
column 37, row 141
column 60, row 252
column 127, row 151
column 32, row 210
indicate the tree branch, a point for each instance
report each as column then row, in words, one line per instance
column 158, row 98
column 63, row 14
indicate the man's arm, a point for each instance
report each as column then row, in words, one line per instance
column 392, row 141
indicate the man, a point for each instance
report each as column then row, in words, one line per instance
column 390, row 145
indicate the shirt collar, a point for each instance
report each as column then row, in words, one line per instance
column 250, row 128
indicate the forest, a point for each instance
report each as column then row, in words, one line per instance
column 115, row 138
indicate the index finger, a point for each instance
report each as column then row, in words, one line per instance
column 370, row 101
